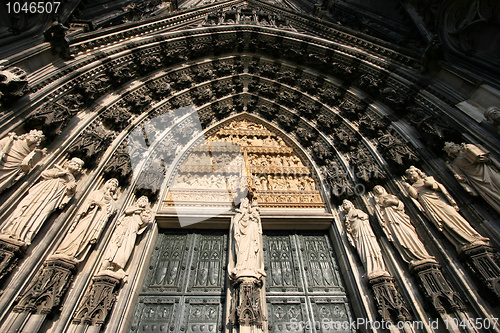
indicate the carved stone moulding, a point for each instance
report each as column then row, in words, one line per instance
column 48, row 287
column 10, row 252
column 437, row 290
column 98, row 301
column 391, row 305
column 484, row 263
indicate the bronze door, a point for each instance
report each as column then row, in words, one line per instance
column 184, row 288
column 304, row 289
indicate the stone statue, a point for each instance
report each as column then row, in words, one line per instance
column 133, row 222
column 362, row 238
column 493, row 116
column 398, row 228
column 89, row 222
column 17, row 155
column 246, row 229
column 435, row 201
column 475, row 171
column 53, row 192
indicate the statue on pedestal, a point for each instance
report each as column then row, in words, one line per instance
column 131, row 223
column 475, row 171
column 89, row 223
column 246, row 230
column 18, row 155
column 398, row 228
column 442, row 210
column 361, row 236
column 53, row 192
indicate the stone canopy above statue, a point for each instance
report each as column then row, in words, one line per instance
column 239, row 157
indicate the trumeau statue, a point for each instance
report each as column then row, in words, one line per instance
column 17, row 156
column 361, row 236
column 398, row 228
column 131, row 223
column 442, row 210
column 53, row 192
column 246, row 257
column 475, row 171
column 89, row 223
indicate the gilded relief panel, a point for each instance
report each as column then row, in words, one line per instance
column 240, row 156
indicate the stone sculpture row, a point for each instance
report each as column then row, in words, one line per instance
column 432, row 198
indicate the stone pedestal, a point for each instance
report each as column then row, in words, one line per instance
column 46, row 290
column 436, row 289
column 247, row 313
column 390, row 303
column 484, row 262
column 11, row 251
column 43, row 295
column 97, row 303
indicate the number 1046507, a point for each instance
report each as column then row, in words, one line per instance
column 33, row 7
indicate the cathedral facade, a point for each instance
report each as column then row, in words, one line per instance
column 250, row 166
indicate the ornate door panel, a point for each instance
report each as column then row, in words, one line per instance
column 304, row 290
column 183, row 288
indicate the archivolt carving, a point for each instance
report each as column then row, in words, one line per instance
column 54, row 116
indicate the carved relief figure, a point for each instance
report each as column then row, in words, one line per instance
column 89, row 222
column 475, row 171
column 133, row 222
column 17, row 154
column 246, row 230
column 54, row 191
column 493, row 116
column 398, row 227
column 441, row 209
column 361, row 236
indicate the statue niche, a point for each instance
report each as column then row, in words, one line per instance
column 131, row 223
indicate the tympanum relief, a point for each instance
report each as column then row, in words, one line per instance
column 241, row 156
